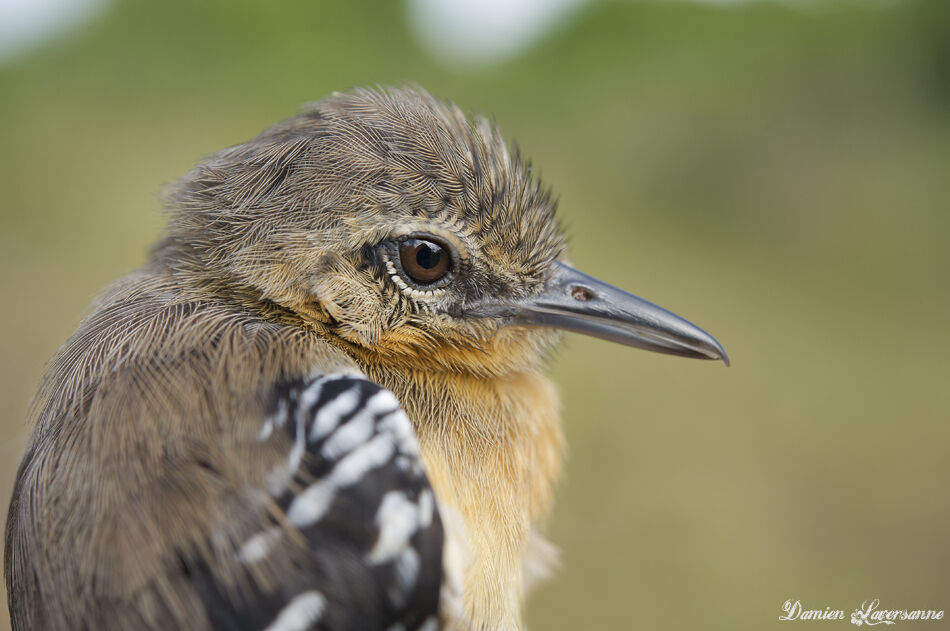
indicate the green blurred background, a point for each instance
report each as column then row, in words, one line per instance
column 779, row 175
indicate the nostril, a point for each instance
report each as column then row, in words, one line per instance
column 582, row 294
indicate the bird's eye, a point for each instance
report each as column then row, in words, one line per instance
column 424, row 261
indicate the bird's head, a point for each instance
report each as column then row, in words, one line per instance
column 396, row 227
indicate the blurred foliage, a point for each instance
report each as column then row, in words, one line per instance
column 779, row 177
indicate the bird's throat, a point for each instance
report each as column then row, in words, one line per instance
column 493, row 451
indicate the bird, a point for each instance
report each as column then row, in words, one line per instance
column 323, row 401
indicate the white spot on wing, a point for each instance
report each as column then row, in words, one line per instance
column 355, row 431
column 359, row 461
column 308, row 507
column 360, row 427
column 382, row 401
column 300, row 613
column 398, row 424
column 397, row 519
column 426, row 506
column 329, row 414
column 407, row 568
column 310, row 395
column 266, row 430
column 431, row 624
column 407, row 571
column 257, row 547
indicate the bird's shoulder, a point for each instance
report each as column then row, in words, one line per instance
column 353, row 539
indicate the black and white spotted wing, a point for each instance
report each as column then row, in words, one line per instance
column 354, row 487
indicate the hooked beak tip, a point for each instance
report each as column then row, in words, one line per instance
column 722, row 355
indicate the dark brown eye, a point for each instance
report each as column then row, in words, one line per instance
column 424, row 261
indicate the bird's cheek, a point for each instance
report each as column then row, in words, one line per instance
column 359, row 313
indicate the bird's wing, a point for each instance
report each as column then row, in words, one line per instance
column 354, row 539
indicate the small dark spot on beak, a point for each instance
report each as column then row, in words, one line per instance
column 581, row 293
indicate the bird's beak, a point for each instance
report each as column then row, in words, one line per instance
column 574, row 301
